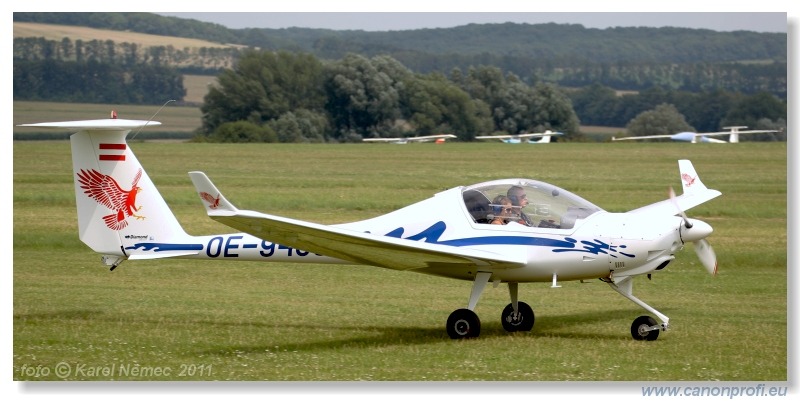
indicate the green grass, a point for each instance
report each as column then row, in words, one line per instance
column 281, row 322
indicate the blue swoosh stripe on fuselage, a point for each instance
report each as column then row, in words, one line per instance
column 165, row 247
column 508, row 240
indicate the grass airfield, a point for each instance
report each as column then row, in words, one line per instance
column 184, row 320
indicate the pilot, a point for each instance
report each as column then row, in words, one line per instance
column 519, row 199
column 502, row 209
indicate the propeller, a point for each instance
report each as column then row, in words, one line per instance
column 696, row 231
column 686, row 222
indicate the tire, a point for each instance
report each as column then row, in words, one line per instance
column 638, row 329
column 522, row 323
column 463, row 324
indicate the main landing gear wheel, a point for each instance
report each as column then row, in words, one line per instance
column 640, row 329
column 521, row 322
column 463, row 323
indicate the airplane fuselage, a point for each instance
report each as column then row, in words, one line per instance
column 598, row 246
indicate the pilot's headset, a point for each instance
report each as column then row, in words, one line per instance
column 514, row 197
column 497, row 206
column 497, row 209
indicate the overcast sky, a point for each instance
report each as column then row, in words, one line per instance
column 385, row 21
column 752, row 15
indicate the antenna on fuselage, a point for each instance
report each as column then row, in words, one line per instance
column 151, row 118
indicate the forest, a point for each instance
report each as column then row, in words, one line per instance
column 565, row 54
column 300, row 94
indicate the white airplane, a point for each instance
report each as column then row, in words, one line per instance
column 551, row 234
column 437, row 138
column 522, row 138
column 733, row 133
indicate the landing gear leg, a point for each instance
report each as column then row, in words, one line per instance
column 517, row 316
column 464, row 323
column 644, row 327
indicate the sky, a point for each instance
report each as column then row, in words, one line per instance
column 388, row 21
column 759, row 16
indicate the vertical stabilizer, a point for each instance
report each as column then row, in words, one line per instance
column 119, row 207
column 689, row 179
column 734, row 136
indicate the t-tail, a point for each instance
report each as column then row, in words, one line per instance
column 121, row 214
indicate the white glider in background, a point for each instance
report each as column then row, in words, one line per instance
column 528, row 138
column 733, row 133
column 436, row 138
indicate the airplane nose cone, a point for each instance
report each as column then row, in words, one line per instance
column 699, row 230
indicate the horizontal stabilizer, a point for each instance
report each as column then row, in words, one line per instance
column 98, row 124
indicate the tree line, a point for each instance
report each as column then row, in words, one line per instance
column 564, row 54
column 94, row 82
column 295, row 97
column 704, row 111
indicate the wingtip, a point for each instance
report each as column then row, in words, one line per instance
column 212, row 198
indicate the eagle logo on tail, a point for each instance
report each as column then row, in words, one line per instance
column 213, row 202
column 688, row 179
column 107, row 192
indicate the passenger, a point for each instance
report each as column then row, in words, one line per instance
column 519, row 199
column 502, row 209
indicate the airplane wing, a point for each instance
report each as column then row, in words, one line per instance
column 661, row 136
column 692, row 136
column 404, row 140
column 518, row 136
column 384, row 140
column 349, row 245
column 432, row 137
column 496, row 137
column 739, row 132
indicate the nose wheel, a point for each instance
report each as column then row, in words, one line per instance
column 645, row 328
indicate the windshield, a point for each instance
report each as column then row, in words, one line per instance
column 528, row 202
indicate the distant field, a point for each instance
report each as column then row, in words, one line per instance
column 197, row 88
column 284, row 322
column 59, row 32
column 174, row 118
column 185, row 117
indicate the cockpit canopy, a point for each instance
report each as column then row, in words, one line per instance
column 529, row 202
